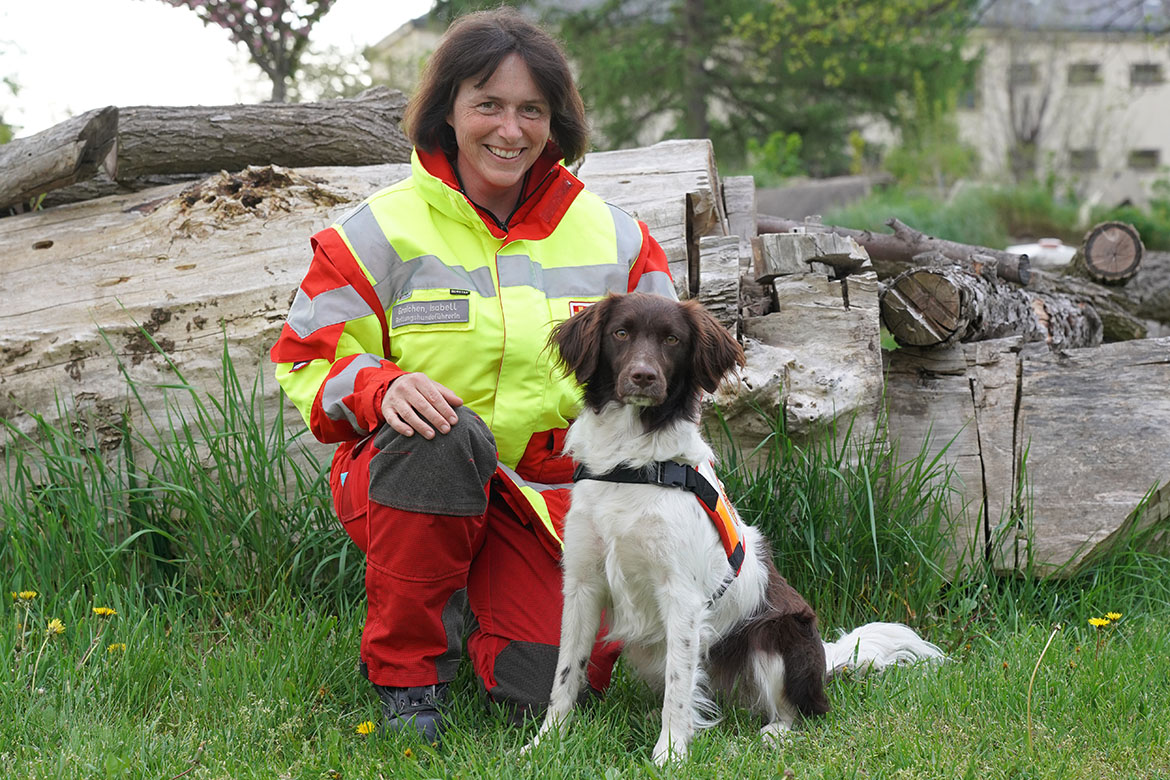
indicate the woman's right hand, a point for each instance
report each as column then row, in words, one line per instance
column 414, row 402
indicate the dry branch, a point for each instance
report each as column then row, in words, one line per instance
column 893, row 253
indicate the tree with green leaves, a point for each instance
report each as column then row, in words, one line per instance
column 740, row 71
column 274, row 32
column 746, row 69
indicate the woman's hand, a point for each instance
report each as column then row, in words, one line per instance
column 414, row 402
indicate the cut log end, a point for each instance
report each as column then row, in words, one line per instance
column 921, row 308
column 1112, row 252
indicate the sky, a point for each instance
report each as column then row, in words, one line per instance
column 69, row 56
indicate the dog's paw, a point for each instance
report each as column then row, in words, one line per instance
column 667, row 750
column 776, row 733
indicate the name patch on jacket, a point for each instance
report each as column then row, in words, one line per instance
column 428, row 312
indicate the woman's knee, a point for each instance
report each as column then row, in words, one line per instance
column 444, row 475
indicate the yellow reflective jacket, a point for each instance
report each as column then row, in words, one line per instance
column 418, row 278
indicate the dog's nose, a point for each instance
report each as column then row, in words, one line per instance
column 643, row 375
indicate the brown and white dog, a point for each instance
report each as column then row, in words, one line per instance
column 657, row 561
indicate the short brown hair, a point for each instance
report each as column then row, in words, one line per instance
column 474, row 46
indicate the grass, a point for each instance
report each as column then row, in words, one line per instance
column 239, row 604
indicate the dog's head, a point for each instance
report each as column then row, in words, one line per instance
column 648, row 351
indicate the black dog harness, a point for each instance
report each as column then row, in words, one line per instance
column 670, row 474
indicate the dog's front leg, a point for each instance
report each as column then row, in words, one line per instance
column 584, row 591
column 683, row 618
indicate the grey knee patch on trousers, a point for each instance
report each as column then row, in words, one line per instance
column 524, row 676
column 447, row 664
column 445, row 475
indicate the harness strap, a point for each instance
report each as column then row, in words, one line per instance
column 668, row 473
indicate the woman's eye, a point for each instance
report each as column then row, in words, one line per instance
column 671, row 339
column 487, row 105
column 621, row 334
column 533, row 111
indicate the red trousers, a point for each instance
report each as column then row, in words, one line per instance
column 423, row 569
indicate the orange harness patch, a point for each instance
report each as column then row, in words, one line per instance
column 668, row 473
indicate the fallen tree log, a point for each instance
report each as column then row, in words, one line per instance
column 672, row 186
column 193, row 270
column 1114, row 305
column 892, row 253
column 71, row 151
column 178, row 141
column 926, row 307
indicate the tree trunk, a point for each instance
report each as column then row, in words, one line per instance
column 71, row 151
column 930, row 306
column 180, row 141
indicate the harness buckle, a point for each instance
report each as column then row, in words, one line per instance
column 671, row 474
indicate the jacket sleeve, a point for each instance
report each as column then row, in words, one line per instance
column 649, row 272
column 332, row 352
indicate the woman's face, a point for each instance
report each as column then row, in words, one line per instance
column 501, row 128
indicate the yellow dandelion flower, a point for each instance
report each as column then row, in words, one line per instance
column 104, row 611
column 1113, row 615
column 55, row 627
column 24, row 595
column 116, row 647
column 1099, row 622
column 408, row 753
column 366, row 727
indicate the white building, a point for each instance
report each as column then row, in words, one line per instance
column 1076, row 89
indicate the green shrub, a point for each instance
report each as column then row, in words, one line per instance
column 968, row 219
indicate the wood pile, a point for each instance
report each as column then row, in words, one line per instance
column 1013, row 372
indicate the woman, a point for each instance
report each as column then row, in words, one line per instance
column 418, row 341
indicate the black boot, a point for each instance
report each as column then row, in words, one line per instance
column 420, row 709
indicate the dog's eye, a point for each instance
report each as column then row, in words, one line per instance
column 671, row 339
column 621, row 334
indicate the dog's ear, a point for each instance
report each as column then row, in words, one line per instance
column 579, row 339
column 715, row 350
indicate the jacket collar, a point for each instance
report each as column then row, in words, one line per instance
column 549, row 190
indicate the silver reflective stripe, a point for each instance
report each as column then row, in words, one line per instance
column 539, row 487
column 308, row 315
column 657, row 283
column 629, row 236
column 340, row 385
column 394, row 278
column 573, row 282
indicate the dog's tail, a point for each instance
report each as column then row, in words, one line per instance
column 875, row 646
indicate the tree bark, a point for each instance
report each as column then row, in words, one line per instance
column 154, row 141
column 893, row 253
column 926, row 307
column 70, row 151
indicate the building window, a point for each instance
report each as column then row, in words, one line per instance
column 1023, row 74
column 1081, row 73
column 1082, row 159
column 1145, row 159
column 1145, row 73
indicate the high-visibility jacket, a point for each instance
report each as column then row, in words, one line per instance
column 419, row 278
